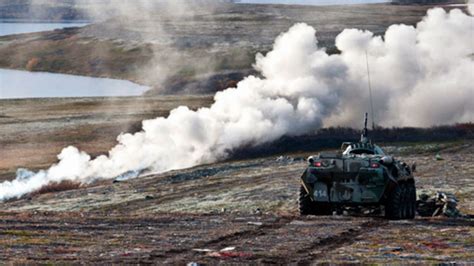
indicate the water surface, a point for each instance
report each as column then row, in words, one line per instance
column 16, row 84
column 16, row 27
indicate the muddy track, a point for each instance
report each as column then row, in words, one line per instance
column 221, row 241
column 317, row 250
column 281, row 228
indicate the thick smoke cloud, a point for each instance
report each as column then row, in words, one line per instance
column 420, row 76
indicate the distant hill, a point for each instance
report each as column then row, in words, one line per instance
column 197, row 50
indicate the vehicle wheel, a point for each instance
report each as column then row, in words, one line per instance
column 401, row 204
column 309, row 207
column 394, row 205
column 411, row 202
column 304, row 202
column 405, row 206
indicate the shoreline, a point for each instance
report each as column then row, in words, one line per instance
column 103, row 87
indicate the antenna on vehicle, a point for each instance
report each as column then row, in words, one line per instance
column 364, row 137
column 370, row 91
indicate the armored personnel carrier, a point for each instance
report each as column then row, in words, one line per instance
column 361, row 175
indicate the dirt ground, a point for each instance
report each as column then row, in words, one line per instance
column 183, row 238
column 240, row 211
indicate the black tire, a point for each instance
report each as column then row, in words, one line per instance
column 304, row 202
column 411, row 200
column 401, row 203
column 309, row 207
column 394, row 205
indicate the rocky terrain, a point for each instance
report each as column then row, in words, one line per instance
column 195, row 52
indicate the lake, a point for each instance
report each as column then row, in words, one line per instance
column 16, row 27
column 313, row 2
column 23, row 84
column 16, row 84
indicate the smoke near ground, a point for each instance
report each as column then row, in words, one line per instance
column 420, row 77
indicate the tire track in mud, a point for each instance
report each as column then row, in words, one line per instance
column 185, row 255
column 281, row 253
column 319, row 248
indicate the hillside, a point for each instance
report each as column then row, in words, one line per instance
column 246, row 207
column 200, row 52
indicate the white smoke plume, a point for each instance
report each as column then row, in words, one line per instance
column 420, row 76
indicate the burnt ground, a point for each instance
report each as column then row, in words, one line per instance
column 247, row 206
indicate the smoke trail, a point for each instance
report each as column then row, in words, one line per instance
column 421, row 76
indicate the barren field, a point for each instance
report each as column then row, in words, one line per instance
column 234, row 211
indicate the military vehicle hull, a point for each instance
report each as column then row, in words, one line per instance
column 362, row 174
column 346, row 181
column 332, row 182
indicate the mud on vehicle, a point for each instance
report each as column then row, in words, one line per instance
column 360, row 175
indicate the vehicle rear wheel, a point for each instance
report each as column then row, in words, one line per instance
column 393, row 208
column 401, row 203
column 411, row 200
column 309, row 207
